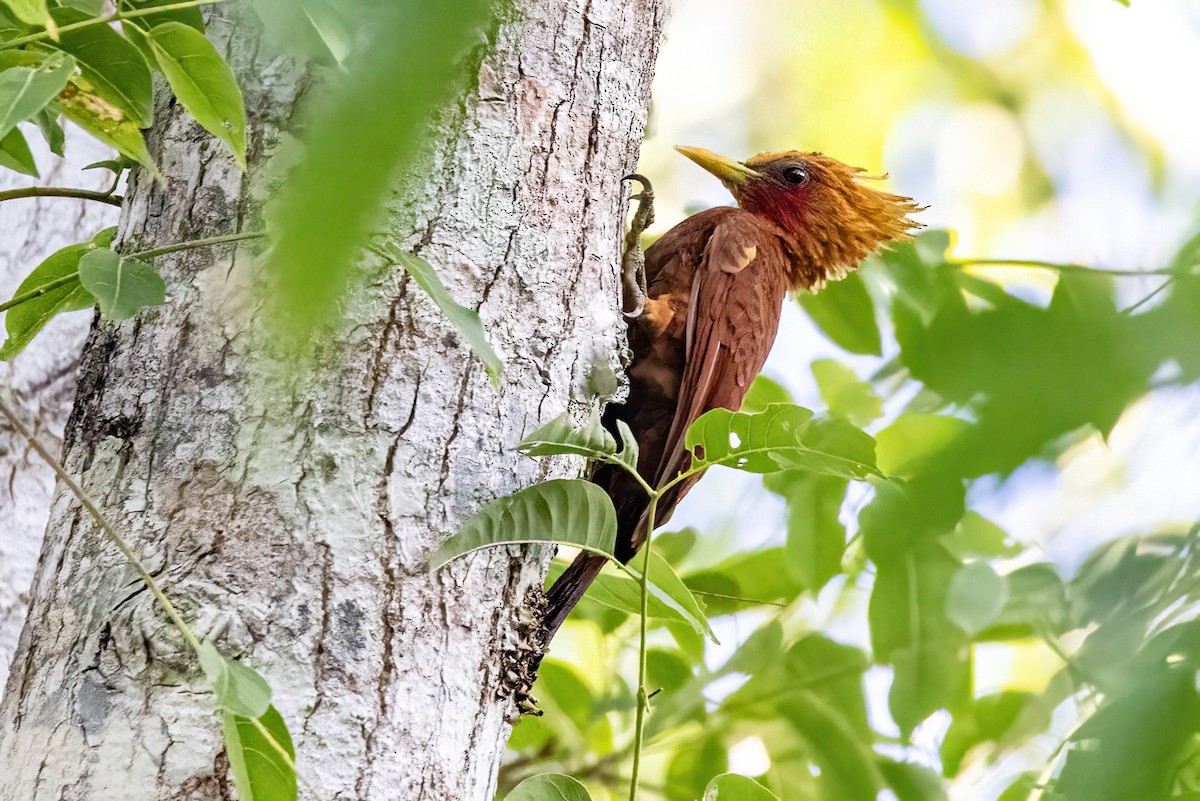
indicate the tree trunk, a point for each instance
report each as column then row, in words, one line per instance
column 292, row 527
column 42, row 378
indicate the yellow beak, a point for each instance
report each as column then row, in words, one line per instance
column 732, row 173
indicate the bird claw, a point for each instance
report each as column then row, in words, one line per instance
column 633, row 260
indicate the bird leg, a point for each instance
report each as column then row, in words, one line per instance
column 633, row 260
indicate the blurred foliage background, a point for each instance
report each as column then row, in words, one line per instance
column 1012, row 614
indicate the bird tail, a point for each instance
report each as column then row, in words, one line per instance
column 568, row 589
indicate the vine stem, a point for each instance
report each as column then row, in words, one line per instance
column 61, row 191
column 1052, row 265
column 144, row 254
column 643, row 700
column 115, row 16
column 105, row 526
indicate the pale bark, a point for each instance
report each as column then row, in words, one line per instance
column 293, row 526
column 42, row 378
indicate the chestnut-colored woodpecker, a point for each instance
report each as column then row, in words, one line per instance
column 706, row 317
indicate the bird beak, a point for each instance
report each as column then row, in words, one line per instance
column 732, row 173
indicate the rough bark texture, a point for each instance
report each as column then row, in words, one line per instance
column 42, row 378
column 291, row 524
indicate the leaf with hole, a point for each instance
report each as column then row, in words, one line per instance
column 26, row 90
column 202, row 82
column 780, row 437
column 56, row 282
column 122, row 286
column 260, row 771
column 568, row 511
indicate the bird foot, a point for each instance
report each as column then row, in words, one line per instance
column 633, row 260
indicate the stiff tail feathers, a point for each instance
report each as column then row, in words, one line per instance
column 568, row 589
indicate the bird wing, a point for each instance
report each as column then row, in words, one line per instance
column 736, row 294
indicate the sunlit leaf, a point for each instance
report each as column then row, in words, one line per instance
column 907, row 445
column 756, row 575
column 260, row 772
column 549, row 787
column 692, row 768
column 25, row 320
column 202, row 82
column 845, row 394
column 912, row 782
column 569, row 511
column 355, row 145
column 26, row 90
column 763, row 392
column 845, row 313
column 465, row 320
column 122, row 286
column 32, row 12
column 95, row 115
column 240, row 690
column 976, row 596
column 975, row 535
column 15, row 154
column 732, row 787
column 780, row 437
column 1036, row 604
column 111, row 66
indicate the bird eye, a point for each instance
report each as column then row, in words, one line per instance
column 795, row 175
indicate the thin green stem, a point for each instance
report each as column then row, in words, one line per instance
column 1051, row 265
column 195, row 243
column 115, row 16
column 642, row 698
column 61, row 191
column 102, row 521
column 41, row 290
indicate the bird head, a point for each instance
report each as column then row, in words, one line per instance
column 830, row 218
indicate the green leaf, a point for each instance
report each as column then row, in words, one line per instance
column 549, row 787
column 15, row 154
column 240, row 690
column 462, row 318
column 910, row 630
column 24, row 91
column 325, row 210
column 93, row 8
column 912, row 440
column 844, row 312
column 110, row 66
column 116, row 166
column 816, row 539
column 986, row 719
column 732, row 787
column 845, row 394
column 668, row 588
column 977, row 595
column 623, row 594
column 31, row 12
column 202, row 82
column 52, row 132
column 912, row 782
column 191, row 16
column 763, row 392
column 320, row 30
column 591, row 440
column 755, row 574
column 691, row 768
column 122, row 286
column 782, row 436
column 975, row 535
column 25, row 320
column 260, row 772
column 569, row 511
column 95, row 115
